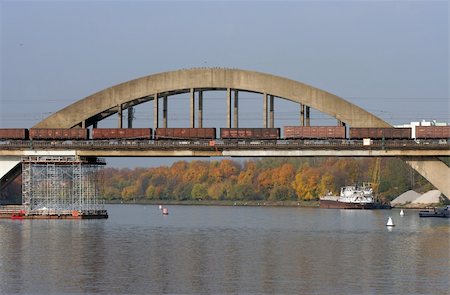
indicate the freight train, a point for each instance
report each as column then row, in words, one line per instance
column 290, row 132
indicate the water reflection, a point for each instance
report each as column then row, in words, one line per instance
column 227, row 250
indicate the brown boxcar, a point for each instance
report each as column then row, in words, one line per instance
column 293, row 132
column 122, row 133
column 185, row 133
column 250, row 133
column 59, row 133
column 434, row 132
column 13, row 133
column 380, row 133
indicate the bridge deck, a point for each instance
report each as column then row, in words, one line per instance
column 243, row 148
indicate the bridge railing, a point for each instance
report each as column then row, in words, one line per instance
column 341, row 144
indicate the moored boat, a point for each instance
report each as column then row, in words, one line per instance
column 436, row 212
column 353, row 197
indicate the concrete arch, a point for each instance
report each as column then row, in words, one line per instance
column 104, row 103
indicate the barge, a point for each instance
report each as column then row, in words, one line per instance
column 353, row 197
column 18, row 212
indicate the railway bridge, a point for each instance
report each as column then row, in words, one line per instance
column 159, row 88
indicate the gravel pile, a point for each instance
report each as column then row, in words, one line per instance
column 430, row 197
column 406, row 197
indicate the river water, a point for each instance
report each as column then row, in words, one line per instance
column 227, row 250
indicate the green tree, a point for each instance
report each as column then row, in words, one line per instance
column 199, row 191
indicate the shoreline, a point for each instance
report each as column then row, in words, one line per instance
column 305, row 204
column 302, row 204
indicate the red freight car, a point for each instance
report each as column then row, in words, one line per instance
column 59, row 133
column 122, row 133
column 13, row 133
column 433, row 132
column 185, row 133
column 380, row 133
column 319, row 132
column 250, row 133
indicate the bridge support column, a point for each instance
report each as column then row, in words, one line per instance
column 10, row 168
column 265, row 110
column 155, row 111
column 271, row 113
column 165, row 111
column 130, row 117
column 192, row 104
column 302, row 114
column 236, row 109
column 308, row 121
column 119, row 114
column 228, row 108
column 200, row 109
column 340, row 123
column 434, row 170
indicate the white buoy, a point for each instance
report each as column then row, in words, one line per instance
column 402, row 213
column 390, row 222
column 160, row 207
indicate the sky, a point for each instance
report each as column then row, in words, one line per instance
column 388, row 57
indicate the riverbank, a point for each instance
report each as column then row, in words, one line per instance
column 312, row 204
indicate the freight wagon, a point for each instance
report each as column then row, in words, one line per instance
column 185, row 133
column 59, row 133
column 13, row 133
column 122, row 133
column 314, row 132
column 250, row 133
column 432, row 132
column 380, row 133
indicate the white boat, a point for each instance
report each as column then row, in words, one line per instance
column 353, row 197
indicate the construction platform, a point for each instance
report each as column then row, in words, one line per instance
column 20, row 212
column 59, row 187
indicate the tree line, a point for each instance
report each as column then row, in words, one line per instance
column 271, row 179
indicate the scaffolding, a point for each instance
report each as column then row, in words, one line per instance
column 61, row 185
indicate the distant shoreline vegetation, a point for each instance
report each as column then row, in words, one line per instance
column 271, row 180
column 220, row 203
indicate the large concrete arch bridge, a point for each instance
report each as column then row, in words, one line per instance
column 194, row 82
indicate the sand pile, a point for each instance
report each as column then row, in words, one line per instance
column 406, row 197
column 430, row 197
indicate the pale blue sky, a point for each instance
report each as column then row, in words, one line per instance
column 389, row 57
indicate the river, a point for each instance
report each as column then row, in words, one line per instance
column 227, row 250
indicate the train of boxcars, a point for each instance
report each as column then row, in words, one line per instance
column 290, row 132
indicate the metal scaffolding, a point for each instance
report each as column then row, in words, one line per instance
column 58, row 185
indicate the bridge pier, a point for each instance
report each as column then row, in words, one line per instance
column 10, row 168
column 434, row 170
